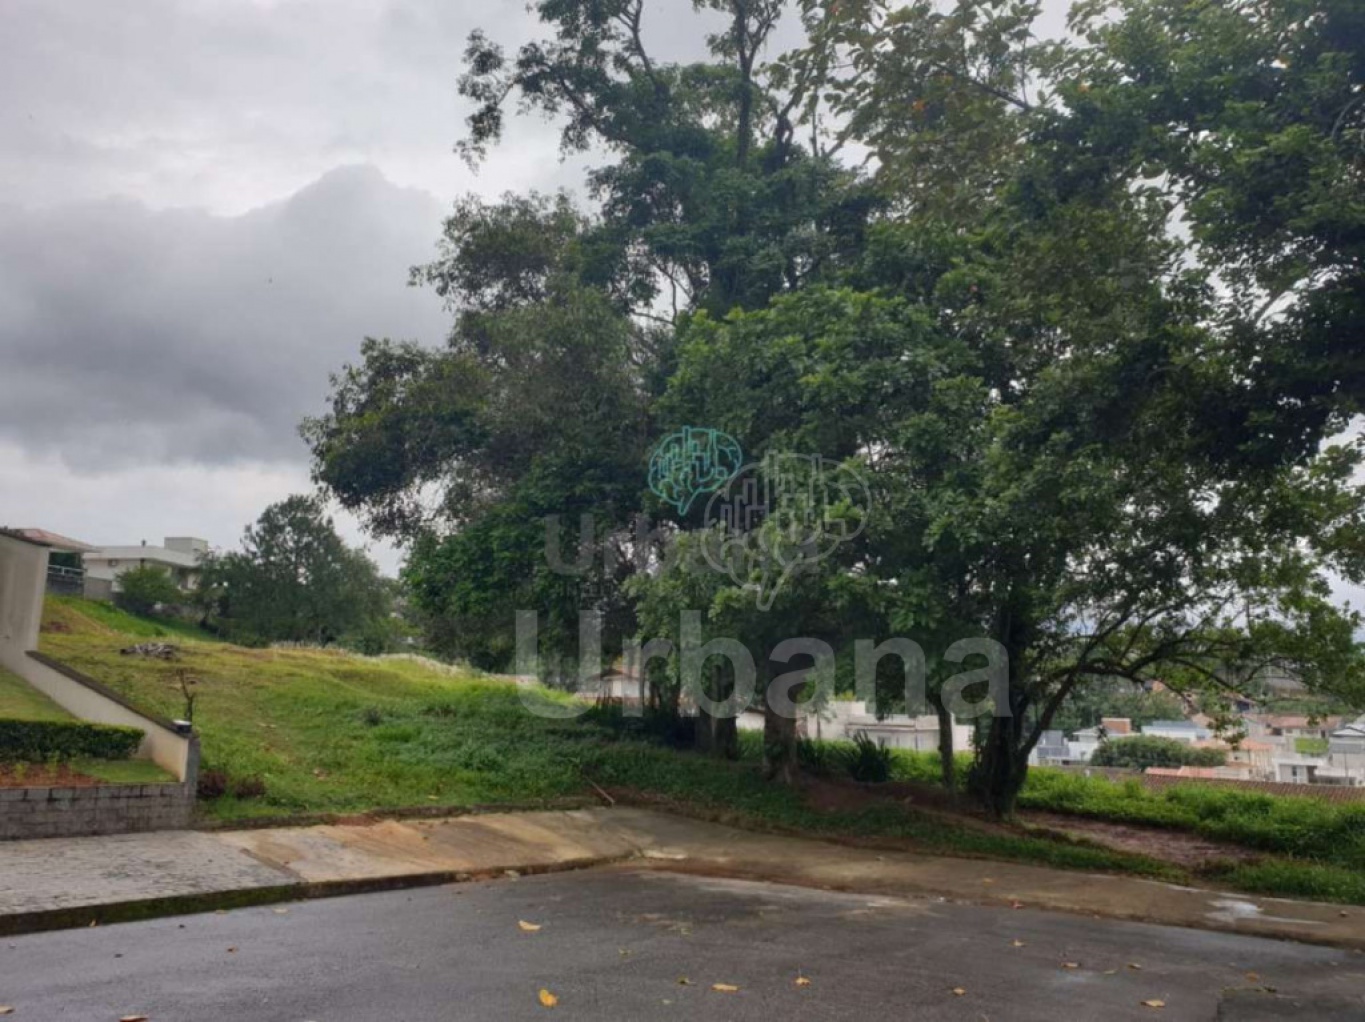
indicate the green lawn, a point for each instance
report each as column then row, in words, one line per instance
column 100, row 612
column 1311, row 746
column 21, row 701
column 333, row 731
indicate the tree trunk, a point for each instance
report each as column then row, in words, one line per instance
column 1000, row 771
column 717, row 735
column 947, row 764
column 779, row 744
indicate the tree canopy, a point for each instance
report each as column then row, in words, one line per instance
column 295, row 580
column 1086, row 321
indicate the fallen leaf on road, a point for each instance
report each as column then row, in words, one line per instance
column 232, row 950
column 548, row 999
column 1154, row 1004
column 5, row 1009
column 281, row 911
column 683, row 981
column 528, row 927
column 133, row 1018
column 958, row 991
column 724, row 988
column 1071, row 965
column 1016, row 904
column 987, row 880
column 1016, row 943
column 1135, row 966
column 1252, row 977
column 802, row 981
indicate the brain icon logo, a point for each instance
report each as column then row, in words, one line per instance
column 780, row 515
column 691, row 462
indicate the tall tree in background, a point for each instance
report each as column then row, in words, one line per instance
column 295, row 580
column 541, row 403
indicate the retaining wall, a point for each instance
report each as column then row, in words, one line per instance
column 106, row 809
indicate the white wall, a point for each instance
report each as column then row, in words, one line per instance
column 23, row 580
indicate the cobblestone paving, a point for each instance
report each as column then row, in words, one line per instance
column 71, row 872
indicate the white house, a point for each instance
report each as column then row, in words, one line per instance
column 181, row 557
column 1181, row 730
column 843, row 719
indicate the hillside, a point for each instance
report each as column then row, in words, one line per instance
column 308, row 730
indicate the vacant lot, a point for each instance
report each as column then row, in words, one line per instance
column 322, row 730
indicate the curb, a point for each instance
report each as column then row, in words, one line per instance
column 366, row 816
column 76, row 917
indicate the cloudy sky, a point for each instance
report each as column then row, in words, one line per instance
column 205, row 205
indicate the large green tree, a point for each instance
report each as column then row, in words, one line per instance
column 1092, row 436
column 295, row 580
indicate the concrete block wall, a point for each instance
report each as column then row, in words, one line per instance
column 106, row 809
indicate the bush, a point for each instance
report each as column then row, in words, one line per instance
column 38, row 741
column 248, row 787
column 142, row 590
column 816, row 757
column 1142, row 751
column 867, row 761
column 212, row 784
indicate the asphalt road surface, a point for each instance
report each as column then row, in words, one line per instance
column 628, row 944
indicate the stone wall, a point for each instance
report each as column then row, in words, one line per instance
column 106, row 809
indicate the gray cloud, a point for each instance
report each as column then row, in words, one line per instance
column 132, row 336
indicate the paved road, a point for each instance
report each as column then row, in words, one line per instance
column 614, row 944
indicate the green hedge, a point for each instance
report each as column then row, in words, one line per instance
column 37, row 741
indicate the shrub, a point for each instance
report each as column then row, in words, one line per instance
column 142, row 590
column 372, row 716
column 816, row 757
column 1142, row 751
column 38, row 741
column 248, row 787
column 212, row 784
column 867, row 761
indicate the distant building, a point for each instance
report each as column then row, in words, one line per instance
column 845, row 718
column 181, row 557
column 65, row 566
column 1180, row 730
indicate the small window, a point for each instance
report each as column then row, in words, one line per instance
column 113, row 563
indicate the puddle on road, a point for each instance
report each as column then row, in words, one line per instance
column 1234, row 910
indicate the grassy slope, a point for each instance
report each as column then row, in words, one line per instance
column 331, row 731
column 21, row 701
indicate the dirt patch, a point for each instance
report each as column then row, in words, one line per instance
column 40, row 775
column 1177, row 846
column 831, row 796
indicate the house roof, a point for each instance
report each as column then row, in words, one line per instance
column 15, row 534
column 157, row 554
column 55, row 540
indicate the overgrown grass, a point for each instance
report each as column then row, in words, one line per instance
column 1304, row 827
column 328, row 730
column 117, row 620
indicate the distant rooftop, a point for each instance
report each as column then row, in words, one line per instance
column 54, row 540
